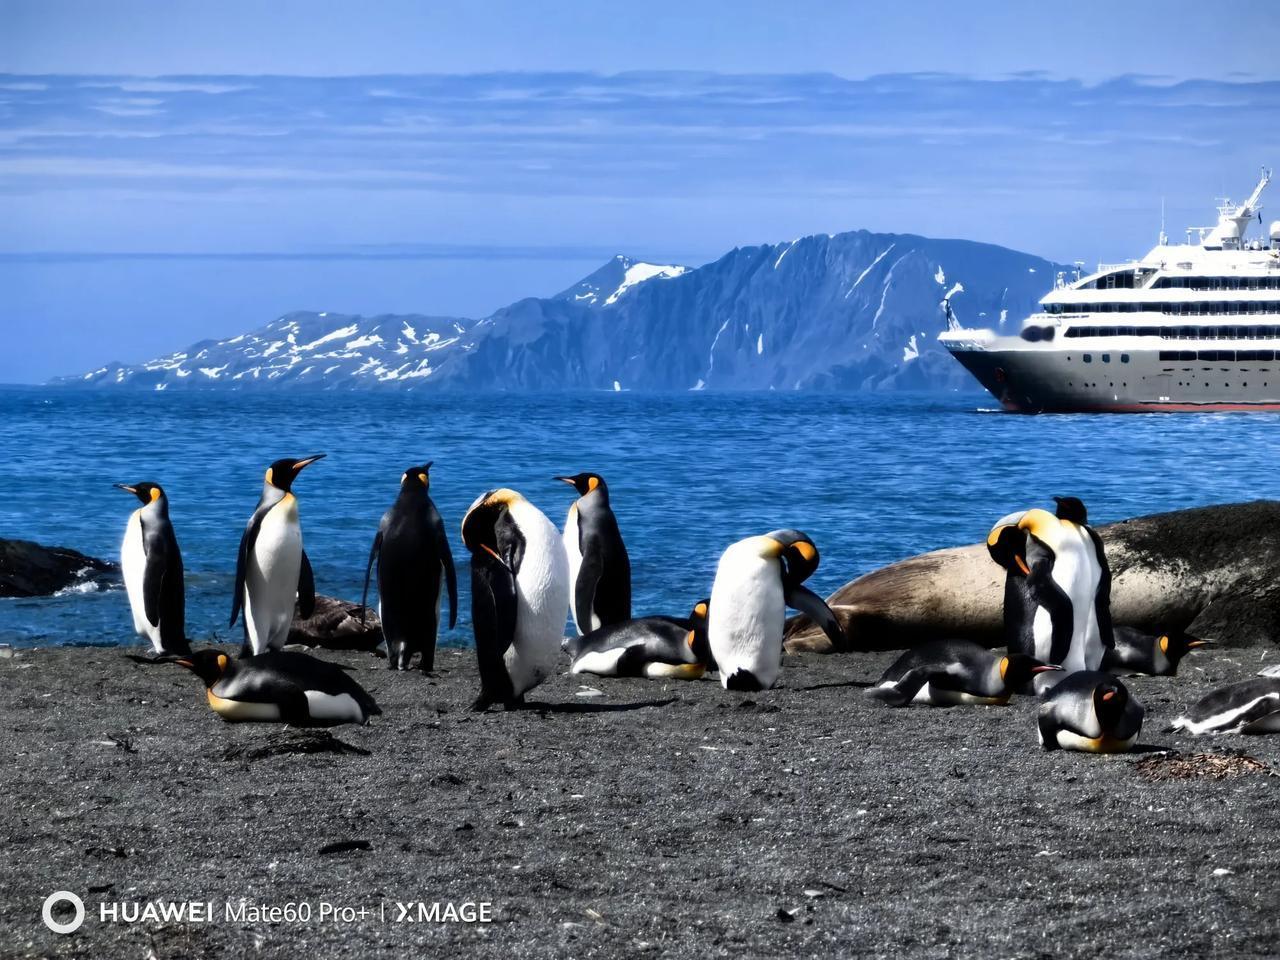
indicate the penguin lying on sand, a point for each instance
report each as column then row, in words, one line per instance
column 1250, row 706
column 1136, row 651
column 646, row 647
column 1090, row 711
column 756, row 580
column 280, row 687
column 949, row 672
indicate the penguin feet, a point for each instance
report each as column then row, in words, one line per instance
column 889, row 695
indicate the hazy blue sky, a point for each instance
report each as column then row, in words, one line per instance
column 451, row 158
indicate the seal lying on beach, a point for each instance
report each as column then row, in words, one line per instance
column 1212, row 572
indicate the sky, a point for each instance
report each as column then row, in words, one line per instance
column 174, row 171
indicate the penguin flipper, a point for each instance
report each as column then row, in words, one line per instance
column 446, row 561
column 306, row 588
column 584, row 591
column 1048, row 733
column 368, row 569
column 153, row 577
column 1051, row 596
column 905, row 688
column 1102, row 599
column 799, row 597
column 493, row 617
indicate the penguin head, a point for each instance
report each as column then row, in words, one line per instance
column 146, row 492
column 490, row 512
column 584, row 483
column 697, row 639
column 1007, row 545
column 1017, row 669
column 1044, row 526
column 282, row 473
column 1071, row 509
column 418, row 476
column 208, row 665
column 1110, row 697
column 798, row 554
column 1176, row 645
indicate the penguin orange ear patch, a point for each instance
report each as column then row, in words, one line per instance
column 268, row 474
column 155, row 494
column 1164, row 644
column 423, row 478
column 592, row 483
column 700, row 609
column 689, row 639
column 1004, row 666
column 222, row 661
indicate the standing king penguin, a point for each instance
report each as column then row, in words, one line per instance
column 415, row 566
column 599, row 569
column 756, row 580
column 272, row 569
column 152, row 567
column 519, row 594
column 1071, row 511
column 1037, row 614
column 1062, row 560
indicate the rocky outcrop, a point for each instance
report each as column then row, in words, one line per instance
column 1212, row 571
column 28, row 569
column 335, row 625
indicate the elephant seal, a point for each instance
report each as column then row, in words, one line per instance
column 1210, row 571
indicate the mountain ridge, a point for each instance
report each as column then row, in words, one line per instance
column 849, row 311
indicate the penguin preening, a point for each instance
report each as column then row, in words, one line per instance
column 1090, row 711
column 660, row 647
column 152, row 566
column 599, row 568
column 949, row 672
column 1136, row 651
column 415, row 566
column 519, row 594
column 1062, row 572
column 1071, row 510
column 272, row 569
column 280, row 686
column 756, row 580
column 1250, row 706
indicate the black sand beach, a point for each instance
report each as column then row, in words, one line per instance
column 660, row 819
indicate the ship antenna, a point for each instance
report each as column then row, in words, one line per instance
column 1164, row 239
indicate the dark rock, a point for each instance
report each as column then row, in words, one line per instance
column 30, row 570
column 336, row 625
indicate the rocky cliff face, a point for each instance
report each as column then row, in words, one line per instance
column 854, row 311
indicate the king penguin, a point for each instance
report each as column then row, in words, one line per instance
column 666, row 647
column 519, row 595
column 1060, row 553
column 280, row 686
column 1090, row 711
column 1250, row 706
column 1136, row 651
column 272, row 569
column 1071, row 511
column 152, row 567
column 1032, row 601
column 945, row 673
column 415, row 566
column 756, row 580
column 599, row 569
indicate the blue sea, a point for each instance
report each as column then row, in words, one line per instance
column 871, row 478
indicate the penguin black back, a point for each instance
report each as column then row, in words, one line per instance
column 415, row 567
column 599, row 567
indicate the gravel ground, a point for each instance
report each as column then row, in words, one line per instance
column 660, row 819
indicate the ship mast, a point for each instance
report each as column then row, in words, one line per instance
column 1233, row 219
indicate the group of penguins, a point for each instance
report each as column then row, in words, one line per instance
column 527, row 577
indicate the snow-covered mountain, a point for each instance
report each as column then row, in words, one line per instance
column 852, row 311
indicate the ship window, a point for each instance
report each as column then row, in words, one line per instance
column 1106, row 358
column 1168, row 355
column 1087, row 358
column 1124, row 358
column 1266, row 354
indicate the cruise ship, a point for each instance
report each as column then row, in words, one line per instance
column 1190, row 326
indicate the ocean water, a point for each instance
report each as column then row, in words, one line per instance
column 871, row 478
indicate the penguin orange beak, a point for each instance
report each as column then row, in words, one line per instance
column 1047, row 668
column 1108, row 695
column 568, row 480
column 185, row 663
column 1195, row 644
column 307, row 461
column 125, row 487
column 1022, row 565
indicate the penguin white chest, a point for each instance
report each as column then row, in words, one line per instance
column 1074, row 575
column 133, row 565
column 271, row 583
column 748, row 614
column 542, row 600
column 573, row 551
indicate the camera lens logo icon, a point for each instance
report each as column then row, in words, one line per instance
column 63, row 896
